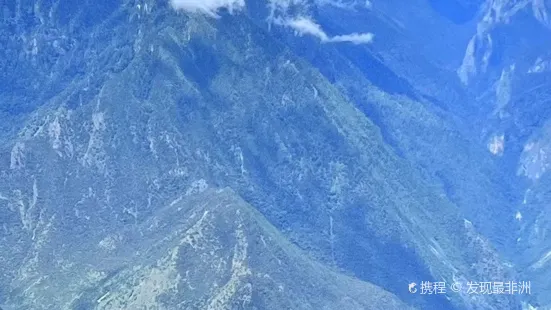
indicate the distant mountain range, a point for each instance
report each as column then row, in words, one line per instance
column 273, row 154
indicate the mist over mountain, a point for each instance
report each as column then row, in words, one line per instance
column 273, row 154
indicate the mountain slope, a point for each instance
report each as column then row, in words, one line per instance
column 130, row 120
column 209, row 250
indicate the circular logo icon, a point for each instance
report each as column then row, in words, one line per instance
column 412, row 287
column 455, row 287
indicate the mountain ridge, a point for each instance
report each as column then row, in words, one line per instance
column 170, row 102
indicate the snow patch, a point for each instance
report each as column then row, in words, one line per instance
column 525, row 199
column 540, row 66
column 534, row 160
column 54, row 132
column 504, row 88
column 98, row 121
column 109, row 243
column 17, row 158
column 496, row 145
column 196, row 187
column 95, row 153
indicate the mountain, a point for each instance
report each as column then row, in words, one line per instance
column 492, row 80
column 208, row 250
column 262, row 156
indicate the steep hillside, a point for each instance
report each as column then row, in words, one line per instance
column 209, row 250
column 117, row 114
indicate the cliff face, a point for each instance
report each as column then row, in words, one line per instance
column 259, row 156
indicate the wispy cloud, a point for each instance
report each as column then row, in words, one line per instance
column 301, row 24
column 356, row 38
column 209, row 7
column 346, row 4
column 306, row 26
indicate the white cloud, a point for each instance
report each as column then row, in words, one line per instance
column 278, row 15
column 209, row 7
column 306, row 26
column 346, row 4
column 356, row 38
